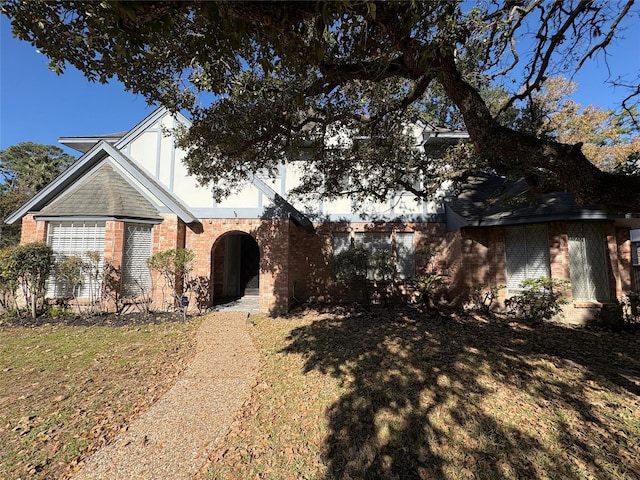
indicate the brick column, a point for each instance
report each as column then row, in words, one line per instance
column 625, row 262
column 273, row 239
column 113, row 243
column 33, row 230
column 170, row 234
column 113, row 248
column 559, row 251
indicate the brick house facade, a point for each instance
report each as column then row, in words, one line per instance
column 130, row 197
column 495, row 235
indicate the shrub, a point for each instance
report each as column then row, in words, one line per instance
column 542, row 298
column 633, row 300
column 110, row 293
column 8, row 279
column 382, row 265
column 427, row 286
column 69, row 271
column 350, row 268
column 93, row 272
column 33, row 263
column 201, row 288
column 55, row 311
column 631, row 308
column 483, row 297
column 175, row 267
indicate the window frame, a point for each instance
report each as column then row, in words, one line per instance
column 136, row 285
column 587, row 249
column 535, row 253
column 82, row 236
column 400, row 244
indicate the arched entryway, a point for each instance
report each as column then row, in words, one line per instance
column 235, row 266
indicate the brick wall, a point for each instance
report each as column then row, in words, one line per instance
column 272, row 238
column 625, row 261
column 311, row 255
column 559, row 250
column 33, row 230
column 310, row 264
column 297, row 263
column 475, row 256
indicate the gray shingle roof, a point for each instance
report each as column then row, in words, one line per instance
column 488, row 199
column 103, row 193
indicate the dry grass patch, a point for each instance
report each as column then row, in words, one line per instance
column 409, row 394
column 67, row 389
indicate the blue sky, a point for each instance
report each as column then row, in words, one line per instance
column 38, row 105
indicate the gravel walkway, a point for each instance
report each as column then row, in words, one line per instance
column 172, row 439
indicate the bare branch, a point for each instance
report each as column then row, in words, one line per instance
column 607, row 40
column 542, row 59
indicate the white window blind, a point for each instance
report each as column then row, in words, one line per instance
column 587, row 262
column 405, row 258
column 75, row 239
column 398, row 246
column 340, row 242
column 136, row 279
column 527, row 254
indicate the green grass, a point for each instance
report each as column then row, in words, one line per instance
column 66, row 390
column 411, row 395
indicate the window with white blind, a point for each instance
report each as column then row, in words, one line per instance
column 340, row 243
column 526, row 251
column 136, row 279
column 398, row 247
column 75, row 238
column 588, row 262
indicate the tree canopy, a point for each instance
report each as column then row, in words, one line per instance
column 26, row 168
column 341, row 81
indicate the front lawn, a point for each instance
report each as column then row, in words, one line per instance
column 404, row 395
column 66, row 388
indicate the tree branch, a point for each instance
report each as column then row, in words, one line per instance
column 502, row 145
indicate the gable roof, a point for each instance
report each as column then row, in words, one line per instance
column 85, row 143
column 282, row 208
column 103, row 193
column 488, row 200
column 84, row 164
column 148, row 122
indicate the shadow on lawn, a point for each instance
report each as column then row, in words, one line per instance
column 461, row 398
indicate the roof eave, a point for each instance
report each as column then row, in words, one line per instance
column 100, row 151
column 585, row 215
column 61, row 182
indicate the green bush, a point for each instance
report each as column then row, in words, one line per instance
column 382, row 265
column 483, row 297
column 69, row 271
column 542, row 299
column 350, row 268
column 630, row 307
column 58, row 311
column 33, row 262
column 427, row 286
column 8, row 279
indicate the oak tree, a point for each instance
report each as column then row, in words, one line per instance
column 338, row 83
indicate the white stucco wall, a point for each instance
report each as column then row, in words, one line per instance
column 155, row 151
